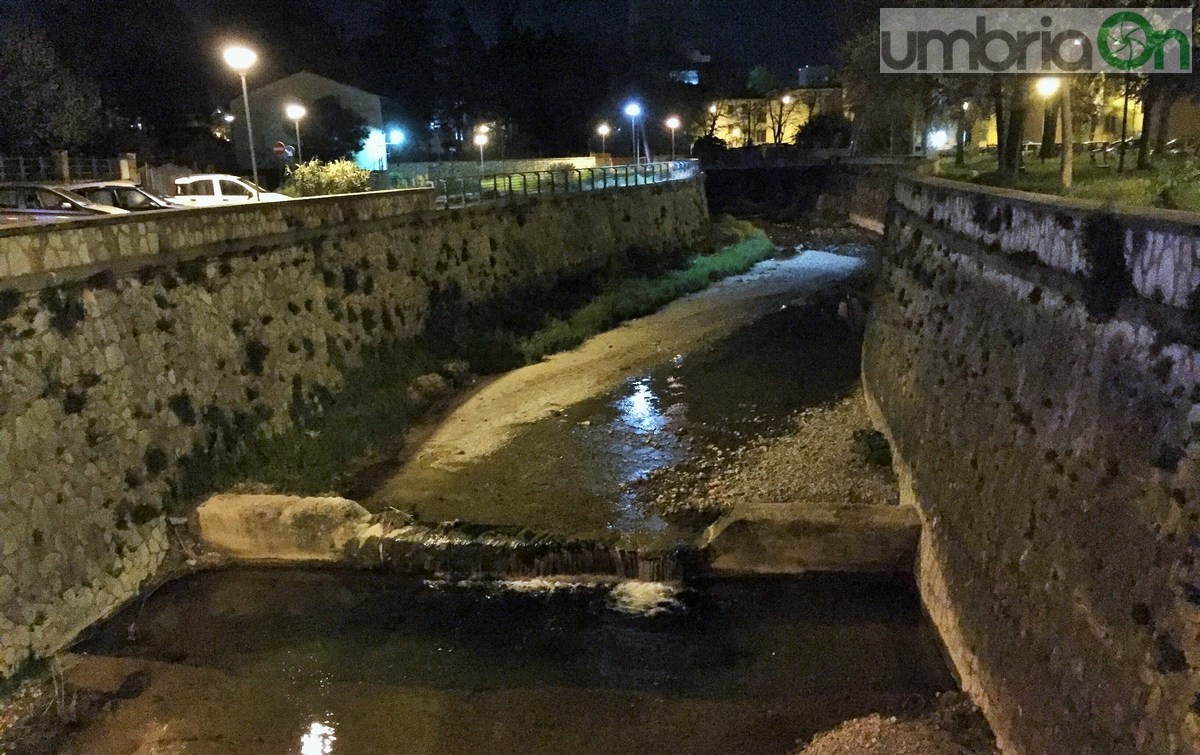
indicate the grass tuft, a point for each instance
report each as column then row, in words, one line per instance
column 632, row 298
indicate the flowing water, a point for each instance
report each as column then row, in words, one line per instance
column 579, row 473
column 277, row 661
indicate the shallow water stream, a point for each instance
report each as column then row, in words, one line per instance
column 576, row 472
column 326, row 661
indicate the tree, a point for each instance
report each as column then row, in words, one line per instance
column 780, row 110
column 393, row 59
column 761, row 81
column 825, row 131
column 46, row 105
column 333, row 132
column 145, row 56
column 885, row 106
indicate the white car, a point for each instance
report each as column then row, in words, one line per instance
column 214, row 190
column 25, row 203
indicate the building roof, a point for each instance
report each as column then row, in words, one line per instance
column 308, row 79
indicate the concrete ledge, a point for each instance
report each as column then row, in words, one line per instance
column 279, row 528
column 795, row 538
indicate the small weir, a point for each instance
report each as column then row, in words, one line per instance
column 478, row 552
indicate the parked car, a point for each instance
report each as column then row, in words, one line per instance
column 123, row 194
column 214, row 190
column 24, row 203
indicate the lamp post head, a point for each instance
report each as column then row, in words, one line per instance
column 603, row 129
column 481, row 139
column 295, row 112
column 633, row 110
column 229, row 118
column 483, row 129
column 786, row 99
column 240, row 58
column 1047, row 86
column 395, row 136
column 713, row 108
column 672, row 123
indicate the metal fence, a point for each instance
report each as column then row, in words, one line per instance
column 467, row 190
column 51, row 168
column 94, row 168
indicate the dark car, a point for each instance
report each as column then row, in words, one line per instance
column 24, row 203
column 123, row 194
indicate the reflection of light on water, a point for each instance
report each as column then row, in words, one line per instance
column 640, row 410
column 318, row 741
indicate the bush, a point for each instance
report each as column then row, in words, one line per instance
column 873, row 447
column 825, row 131
column 1175, row 183
column 315, row 179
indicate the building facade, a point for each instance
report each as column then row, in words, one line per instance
column 771, row 120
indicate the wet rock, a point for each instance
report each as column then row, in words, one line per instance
column 278, row 527
column 427, row 389
column 457, row 371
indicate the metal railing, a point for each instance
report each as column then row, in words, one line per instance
column 28, row 169
column 468, row 190
column 58, row 168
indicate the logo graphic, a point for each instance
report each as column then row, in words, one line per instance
column 1127, row 41
column 1035, row 40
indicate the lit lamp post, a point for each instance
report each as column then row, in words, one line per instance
column 673, row 123
column 633, row 110
column 242, row 59
column 481, row 140
column 296, row 112
column 603, row 130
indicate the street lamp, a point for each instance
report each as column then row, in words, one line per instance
column 633, row 110
column 242, row 59
column 673, row 123
column 1047, row 86
column 481, row 140
column 786, row 99
column 296, row 112
column 603, row 130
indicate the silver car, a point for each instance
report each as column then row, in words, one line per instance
column 123, row 194
column 25, row 203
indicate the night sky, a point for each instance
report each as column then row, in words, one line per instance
column 783, row 34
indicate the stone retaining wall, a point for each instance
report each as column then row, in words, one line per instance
column 131, row 346
column 1035, row 364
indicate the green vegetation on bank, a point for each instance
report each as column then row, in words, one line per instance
column 1174, row 183
column 317, row 179
column 626, row 299
column 335, row 438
